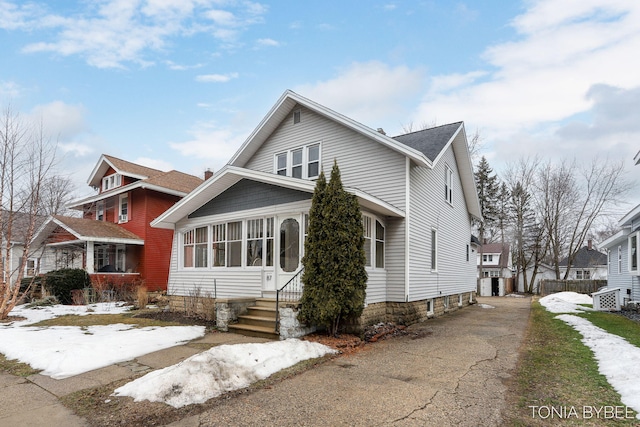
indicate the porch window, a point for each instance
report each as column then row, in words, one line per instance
column 366, row 225
column 218, row 245
column 302, row 162
column 234, row 243
column 188, row 240
column 201, row 245
column 255, row 234
column 379, row 245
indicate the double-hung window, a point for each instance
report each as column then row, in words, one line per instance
column 379, row 245
column 234, row 244
column 448, row 184
column 100, row 211
column 366, row 225
column 633, row 253
column 123, row 209
column 373, row 232
column 195, row 245
column 434, row 249
column 255, row 240
column 302, row 162
column 218, row 244
column 619, row 259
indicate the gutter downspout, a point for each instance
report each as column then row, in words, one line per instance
column 407, row 234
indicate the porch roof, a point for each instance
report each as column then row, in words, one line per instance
column 229, row 175
column 86, row 230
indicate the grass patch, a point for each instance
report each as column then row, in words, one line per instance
column 14, row 367
column 104, row 319
column 615, row 324
column 556, row 369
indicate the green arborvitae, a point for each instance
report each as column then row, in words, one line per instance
column 334, row 277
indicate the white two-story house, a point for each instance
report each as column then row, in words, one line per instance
column 241, row 233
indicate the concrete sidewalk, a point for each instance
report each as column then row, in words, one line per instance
column 447, row 371
column 33, row 401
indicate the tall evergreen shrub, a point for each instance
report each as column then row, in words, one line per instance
column 334, row 275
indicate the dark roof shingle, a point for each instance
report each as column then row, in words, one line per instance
column 430, row 141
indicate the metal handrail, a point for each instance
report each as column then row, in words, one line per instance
column 291, row 291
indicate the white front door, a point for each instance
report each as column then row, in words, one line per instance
column 288, row 254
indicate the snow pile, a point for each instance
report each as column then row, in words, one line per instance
column 65, row 351
column 566, row 302
column 219, row 370
column 485, row 306
column 618, row 360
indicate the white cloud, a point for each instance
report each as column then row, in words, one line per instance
column 268, row 42
column 9, row 90
column 369, row 92
column 153, row 163
column 216, row 78
column 116, row 32
column 211, row 144
column 61, row 121
column 544, row 77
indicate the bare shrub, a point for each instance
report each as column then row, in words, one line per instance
column 142, row 296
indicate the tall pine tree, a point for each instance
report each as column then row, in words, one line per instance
column 334, row 263
column 487, row 186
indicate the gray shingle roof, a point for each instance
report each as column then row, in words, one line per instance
column 429, row 141
column 586, row 258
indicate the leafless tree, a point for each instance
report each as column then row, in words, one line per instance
column 27, row 160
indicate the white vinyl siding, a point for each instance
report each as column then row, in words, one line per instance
column 430, row 210
column 358, row 157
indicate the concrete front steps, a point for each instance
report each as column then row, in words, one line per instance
column 259, row 321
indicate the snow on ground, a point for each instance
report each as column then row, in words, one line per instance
column 219, row 370
column 618, row 360
column 485, row 306
column 566, row 302
column 65, row 351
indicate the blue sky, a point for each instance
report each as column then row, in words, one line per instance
column 179, row 84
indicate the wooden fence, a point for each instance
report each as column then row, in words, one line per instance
column 551, row 286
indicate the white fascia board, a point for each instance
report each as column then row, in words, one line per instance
column 229, row 175
column 465, row 168
column 76, row 204
column 614, row 240
column 629, row 217
column 263, row 130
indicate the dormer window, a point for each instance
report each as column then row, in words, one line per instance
column 111, row 181
column 302, row 162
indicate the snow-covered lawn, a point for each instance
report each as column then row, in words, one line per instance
column 618, row 360
column 65, row 351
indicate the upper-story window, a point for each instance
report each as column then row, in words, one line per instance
column 448, row 184
column 633, row 253
column 487, row 258
column 100, row 210
column 111, row 181
column 302, row 162
column 123, row 209
column 296, row 117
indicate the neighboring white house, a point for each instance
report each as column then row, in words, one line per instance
column 543, row 272
column 497, row 268
column 623, row 256
column 241, row 233
column 13, row 257
column 588, row 264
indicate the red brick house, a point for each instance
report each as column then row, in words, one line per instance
column 113, row 238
